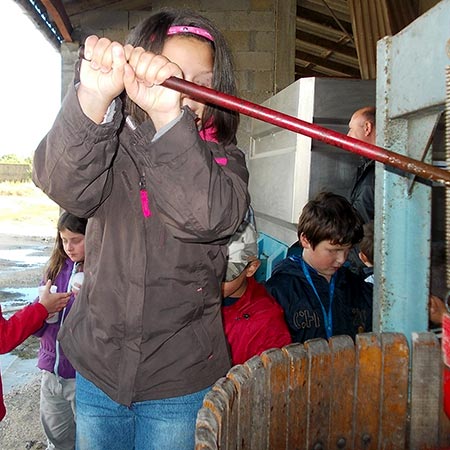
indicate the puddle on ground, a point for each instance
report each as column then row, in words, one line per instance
column 19, row 366
column 22, row 258
column 12, row 299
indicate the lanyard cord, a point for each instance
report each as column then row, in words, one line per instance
column 327, row 317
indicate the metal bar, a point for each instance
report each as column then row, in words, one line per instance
column 447, row 190
column 406, row 164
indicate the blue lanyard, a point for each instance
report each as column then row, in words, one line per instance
column 327, row 317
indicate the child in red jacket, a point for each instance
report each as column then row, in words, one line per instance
column 252, row 319
column 24, row 323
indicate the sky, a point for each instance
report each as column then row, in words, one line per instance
column 30, row 76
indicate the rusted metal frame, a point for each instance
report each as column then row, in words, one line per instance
column 423, row 153
column 291, row 123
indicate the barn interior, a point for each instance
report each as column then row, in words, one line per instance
column 345, row 54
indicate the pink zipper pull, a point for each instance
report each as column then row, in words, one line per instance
column 145, row 204
column 221, row 161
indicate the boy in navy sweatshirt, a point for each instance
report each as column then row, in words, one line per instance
column 320, row 296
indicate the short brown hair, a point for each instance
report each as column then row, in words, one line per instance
column 366, row 244
column 330, row 217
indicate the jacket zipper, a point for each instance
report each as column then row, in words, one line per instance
column 143, row 194
column 145, row 204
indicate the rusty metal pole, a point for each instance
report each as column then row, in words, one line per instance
column 404, row 163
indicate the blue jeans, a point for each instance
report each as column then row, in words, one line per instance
column 103, row 424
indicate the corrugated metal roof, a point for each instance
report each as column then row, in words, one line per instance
column 371, row 21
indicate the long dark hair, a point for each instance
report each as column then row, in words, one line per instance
column 151, row 34
column 56, row 261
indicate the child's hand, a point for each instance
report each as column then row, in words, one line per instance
column 437, row 309
column 101, row 76
column 76, row 288
column 142, row 77
column 53, row 302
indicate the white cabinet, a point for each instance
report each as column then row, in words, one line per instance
column 288, row 169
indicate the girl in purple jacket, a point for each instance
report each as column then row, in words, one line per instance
column 57, row 405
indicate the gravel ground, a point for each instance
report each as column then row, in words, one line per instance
column 21, row 428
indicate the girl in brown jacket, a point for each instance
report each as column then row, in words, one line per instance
column 163, row 184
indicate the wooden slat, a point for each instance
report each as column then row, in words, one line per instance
column 367, row 391
column 226, row 388
column 425, row 391
column 218, row 404
column 394, row 408
column 206, row 430
column 241, row 378
column 335, row 395
column 319, row 392
column 276, row 365
column 297, row 420
column 342, row 392
column 260, row 394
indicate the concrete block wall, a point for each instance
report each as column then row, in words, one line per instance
column 261, row 35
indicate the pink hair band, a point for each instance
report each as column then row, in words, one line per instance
column 194, row 30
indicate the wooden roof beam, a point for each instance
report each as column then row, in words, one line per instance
column 323, row 20
column 56, row 11
column 327, row 44
column 336, row 67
